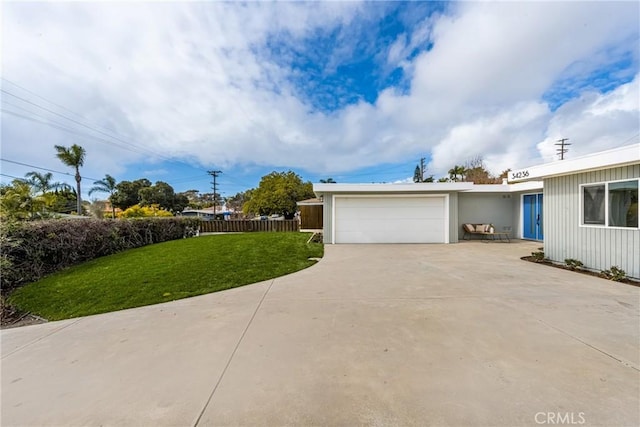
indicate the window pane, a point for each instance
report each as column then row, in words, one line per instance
column 593, row 204
column 623, row 204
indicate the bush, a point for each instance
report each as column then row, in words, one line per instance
column 31, row 250
column 538, row 256
column 615, row 273
column 573, row 264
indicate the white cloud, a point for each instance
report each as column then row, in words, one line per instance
column 595, row 122
column 194, row 80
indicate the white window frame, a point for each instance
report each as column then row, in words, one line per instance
column 606, row 204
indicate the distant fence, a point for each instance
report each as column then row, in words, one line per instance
column 240, row 226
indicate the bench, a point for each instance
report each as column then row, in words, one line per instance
column 486, row 231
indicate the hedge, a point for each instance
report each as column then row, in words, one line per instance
column 32, row 250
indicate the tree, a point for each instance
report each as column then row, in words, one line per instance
column 163, row 195
column 443, row 179
column 17, row 201
column 74, row 157
column 65, row 199
column 106, row 185
column 457, row 171
column 417, row 174
column 328, row 181
column 42, row 181
column 237, row 201
column 477, row 172
column 278, row 193
column 126, row 194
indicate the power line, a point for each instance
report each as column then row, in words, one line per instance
column 127, row 145
column 11, row 176
column 45, row 169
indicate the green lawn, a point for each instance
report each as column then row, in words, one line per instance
column 165, row 272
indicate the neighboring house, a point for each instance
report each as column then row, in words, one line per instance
column 591, row 208
column 425, row 212
column 207, row 214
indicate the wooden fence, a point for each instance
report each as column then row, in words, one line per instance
column 311, row 217
column 241, row 226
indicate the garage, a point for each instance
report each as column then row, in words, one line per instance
column 391, row 219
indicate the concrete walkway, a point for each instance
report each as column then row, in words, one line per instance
column 464, row 334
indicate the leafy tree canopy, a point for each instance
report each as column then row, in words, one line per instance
column 126, row 194
column 278, row 193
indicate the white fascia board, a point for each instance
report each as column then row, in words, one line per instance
column 506, row 188
column 622, row 156
column 422, row 187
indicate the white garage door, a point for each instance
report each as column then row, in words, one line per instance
column 390, row 220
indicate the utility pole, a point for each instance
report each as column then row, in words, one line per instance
column 214, row 174
column 561, row 151
column 422, row 169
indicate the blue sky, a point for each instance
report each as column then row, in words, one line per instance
column 357, row 91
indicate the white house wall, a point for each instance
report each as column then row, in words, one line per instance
column 598, row 248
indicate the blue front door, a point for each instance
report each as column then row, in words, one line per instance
column 532, row 215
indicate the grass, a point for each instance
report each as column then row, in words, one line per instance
column 165, row 272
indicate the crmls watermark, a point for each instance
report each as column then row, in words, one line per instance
column 560, row 418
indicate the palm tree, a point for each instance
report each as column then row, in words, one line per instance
column 106, row 185
column 73, row 156
column 457, row 171
column 42, row 181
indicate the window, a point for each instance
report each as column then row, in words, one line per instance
column 593, row 202
column 623, row 204
column 613, row 204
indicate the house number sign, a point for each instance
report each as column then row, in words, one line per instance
column 520, row 174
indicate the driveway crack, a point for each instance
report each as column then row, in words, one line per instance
column 233, row 353
column 624, row 362
column 55, row 331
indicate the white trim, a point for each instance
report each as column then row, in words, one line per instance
column 621, row 156
column 440, row 187
column 606, row 205
column 426, row 188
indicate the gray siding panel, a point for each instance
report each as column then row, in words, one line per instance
column 598, row 248
column 327, row 218
column 453, row 218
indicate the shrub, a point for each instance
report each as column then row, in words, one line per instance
column 615, row 273
column 573, row 264
column 137, row 211
column 538, row 256
column 31, row 250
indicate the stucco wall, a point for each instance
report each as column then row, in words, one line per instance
column 488, row 208
column 327, row 218
column 598, row 248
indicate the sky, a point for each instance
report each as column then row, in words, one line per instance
column 355, row 91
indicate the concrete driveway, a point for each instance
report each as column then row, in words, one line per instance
column 464, row 334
